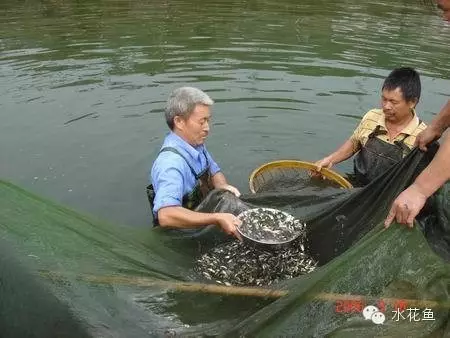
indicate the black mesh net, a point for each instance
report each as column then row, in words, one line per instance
column 64, row 274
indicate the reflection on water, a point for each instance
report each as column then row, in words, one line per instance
column 83, row 85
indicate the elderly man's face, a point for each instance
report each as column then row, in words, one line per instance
column 195, row 128
column 445, row 6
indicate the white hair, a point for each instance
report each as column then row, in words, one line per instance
column 182, row 102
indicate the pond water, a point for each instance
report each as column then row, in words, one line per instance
column 83, row 85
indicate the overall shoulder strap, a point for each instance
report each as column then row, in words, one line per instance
column 206, row 158
column 175, row 151
column 377, row 131
column 406, row 136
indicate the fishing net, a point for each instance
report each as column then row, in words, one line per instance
column 237, row 264
column 66, row 274
column 273, row 249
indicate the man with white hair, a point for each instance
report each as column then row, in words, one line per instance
column 184, row 171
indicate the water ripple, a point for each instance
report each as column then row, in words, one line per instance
column 289, row 78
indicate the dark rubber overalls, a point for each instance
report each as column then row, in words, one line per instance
column 192, row 199
column 377, row 156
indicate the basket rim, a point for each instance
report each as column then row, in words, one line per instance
column 328, row 173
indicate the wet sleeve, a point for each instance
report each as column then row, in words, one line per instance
column 214, row 167
column 168, row 185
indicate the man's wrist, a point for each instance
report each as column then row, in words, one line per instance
column 215, row 218
column 422, row 189
column 437, row 127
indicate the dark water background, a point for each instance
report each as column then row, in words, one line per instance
column 83, row 85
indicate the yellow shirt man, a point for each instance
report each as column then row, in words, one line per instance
column 374, row 118
column 385, row 135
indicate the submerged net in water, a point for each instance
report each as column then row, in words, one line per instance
column 138, row 285
column 238, row 264
column 267, row 256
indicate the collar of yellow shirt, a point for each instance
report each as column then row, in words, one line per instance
column 409, row 129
